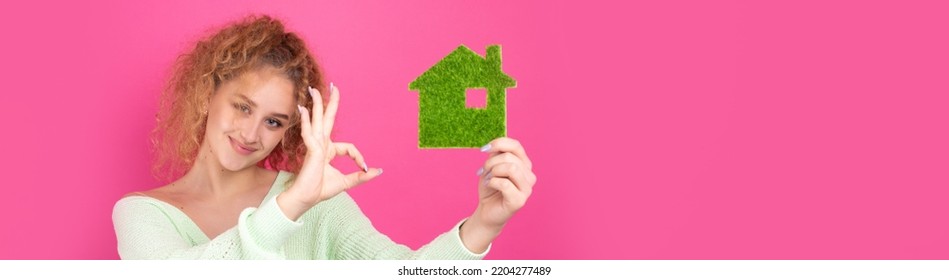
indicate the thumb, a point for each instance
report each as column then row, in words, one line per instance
column 358, row 178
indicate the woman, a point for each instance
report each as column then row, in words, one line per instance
column 244, row 113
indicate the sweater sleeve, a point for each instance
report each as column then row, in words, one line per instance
column 145, row 231
column 358, row 239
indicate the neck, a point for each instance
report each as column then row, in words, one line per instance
column 209, row 178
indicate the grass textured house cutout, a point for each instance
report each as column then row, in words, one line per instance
column 444, row 119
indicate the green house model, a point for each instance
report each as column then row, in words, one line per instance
column 444, row 119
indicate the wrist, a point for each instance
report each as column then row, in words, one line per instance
column 475, row 228
column 291, row 205
column 476, row 234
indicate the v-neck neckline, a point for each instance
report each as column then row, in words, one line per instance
column 204, row 235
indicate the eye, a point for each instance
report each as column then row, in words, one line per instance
column 242, row 107
column 274, row 123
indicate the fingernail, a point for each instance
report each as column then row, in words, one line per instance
column 300, row 108
column 487, row 178
column 332, row 86
column 486, row 147
column 365, row 168
column 380, row 171
column 480, row 171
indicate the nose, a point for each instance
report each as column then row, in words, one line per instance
column 248, row 130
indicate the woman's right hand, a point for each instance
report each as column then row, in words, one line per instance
column 317, row 179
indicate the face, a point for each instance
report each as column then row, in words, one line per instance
column 247, row 118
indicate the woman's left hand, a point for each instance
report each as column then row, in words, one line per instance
column 506, row 182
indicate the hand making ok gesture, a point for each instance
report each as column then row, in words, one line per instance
column 317, row 179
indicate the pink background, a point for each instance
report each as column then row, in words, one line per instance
column 668, row 130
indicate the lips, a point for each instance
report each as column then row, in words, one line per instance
column 241, row 149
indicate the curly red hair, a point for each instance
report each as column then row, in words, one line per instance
column 248, row 44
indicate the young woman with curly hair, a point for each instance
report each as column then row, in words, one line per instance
column 244, row 127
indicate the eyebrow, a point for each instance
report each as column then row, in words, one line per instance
column 254, row 105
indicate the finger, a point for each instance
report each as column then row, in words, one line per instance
column 348, row 149
column 330, row 116
column 523, row 177
column 509, row 192
column 508, row 145
column 514, row 173
column 305, row 129
column 317, row 117
column 358, row 178
column 499, row 159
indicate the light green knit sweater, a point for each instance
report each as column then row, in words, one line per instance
column 148, row 228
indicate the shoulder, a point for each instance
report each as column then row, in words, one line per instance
column 150, row 197
column 147, row 207
column 154, row 191
column 153, row 199
column 170, row 193
column 137, row 207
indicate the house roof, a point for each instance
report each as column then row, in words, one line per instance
column 465, row 68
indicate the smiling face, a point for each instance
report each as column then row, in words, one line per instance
column 248, row 116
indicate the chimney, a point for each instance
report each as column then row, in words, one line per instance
column 493, row 56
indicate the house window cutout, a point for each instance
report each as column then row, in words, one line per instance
column 476, row 98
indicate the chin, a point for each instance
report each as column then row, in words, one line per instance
column 233, row 167
column 235, row 162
